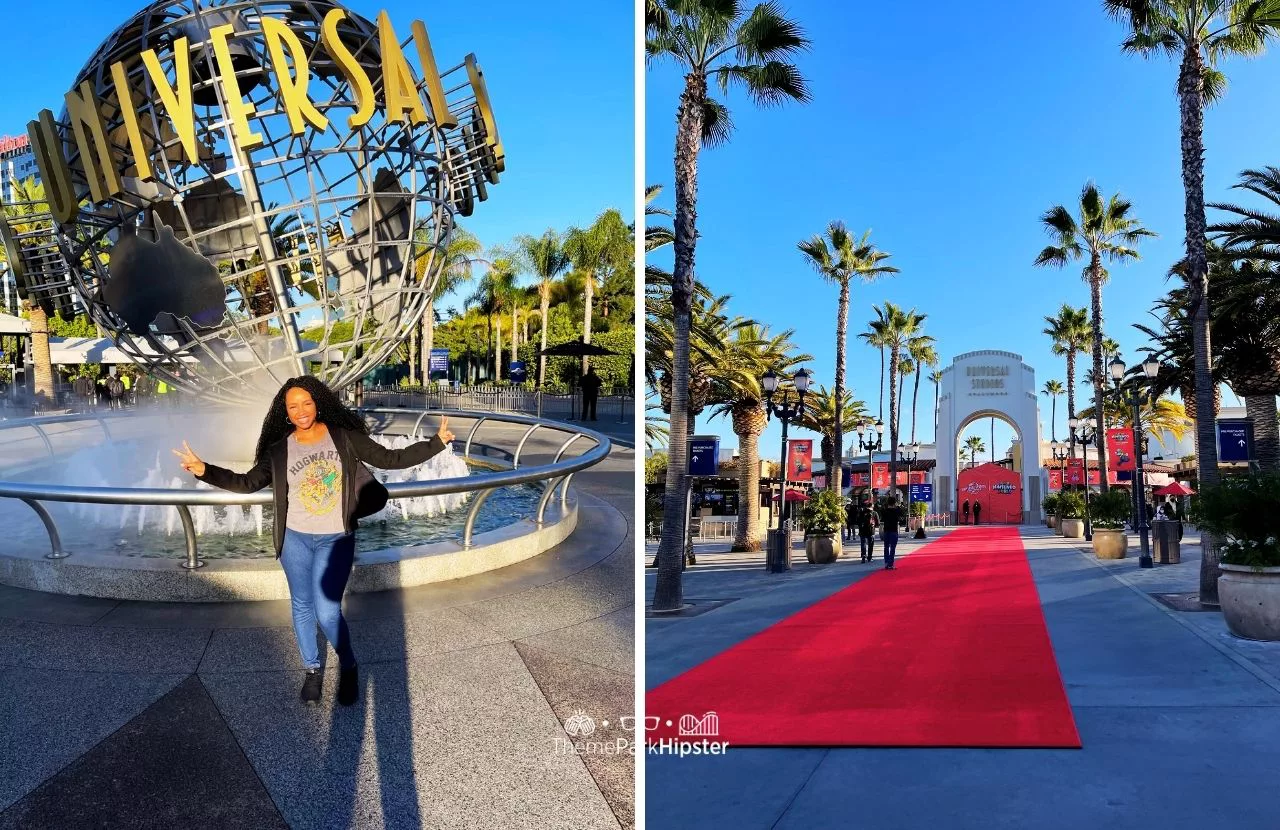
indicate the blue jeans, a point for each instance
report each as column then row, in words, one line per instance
column 890, row 546
column 317, row 568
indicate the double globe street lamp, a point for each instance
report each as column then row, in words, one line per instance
column 870, row 446
column 778, row 560
column 1134, row 396
column 1083, row 432
column 909, row 454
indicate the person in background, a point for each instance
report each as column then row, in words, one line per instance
column 590, row 393
column 850, row 519
column 965, row 511
column 977, row 512
column 867, row 522
column 892, row 516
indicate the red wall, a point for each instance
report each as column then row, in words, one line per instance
column 997, row 489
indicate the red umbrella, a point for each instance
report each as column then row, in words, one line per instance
column 795, row 495
column 1175, row 489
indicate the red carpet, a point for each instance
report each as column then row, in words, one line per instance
column 948, row 649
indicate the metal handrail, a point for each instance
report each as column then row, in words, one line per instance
column 557, row 473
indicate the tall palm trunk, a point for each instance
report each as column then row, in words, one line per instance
column 902, row 384
column 668, row 591
column 880, row 416
column 497, row 352
column 1261, row 410
column 915, row 401
column 1099, row 379
column 1053, row 418
column 515, row 335
column 589, row 286
column 749, row 420
column 835, row 474
column 893, row 420
column 544, row 301
column 1191, row 111
column 1071, row 394
column 413, row 359
column 40, row 355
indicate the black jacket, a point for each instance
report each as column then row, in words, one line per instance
column 351, row 447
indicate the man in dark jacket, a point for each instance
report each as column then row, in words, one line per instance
column 867, row 522
column 965, row 511
column 850, row 519
column 892, row 516
column 977, row 512
column 590, row 383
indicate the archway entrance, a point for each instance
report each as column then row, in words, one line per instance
column 989, row 384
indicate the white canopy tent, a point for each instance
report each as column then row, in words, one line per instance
column 13, row 325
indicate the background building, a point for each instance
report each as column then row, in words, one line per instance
column 17, row 163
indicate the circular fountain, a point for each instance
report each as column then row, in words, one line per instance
column 110, row 517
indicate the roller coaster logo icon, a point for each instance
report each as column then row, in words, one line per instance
column 708, row 726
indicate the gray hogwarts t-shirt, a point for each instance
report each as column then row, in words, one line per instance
column 315, row 487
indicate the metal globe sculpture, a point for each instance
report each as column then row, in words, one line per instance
column 254, row 189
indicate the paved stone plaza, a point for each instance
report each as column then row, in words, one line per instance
column 132, row 714
column 1180, row 720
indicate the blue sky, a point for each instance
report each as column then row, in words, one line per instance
column 948, row 134
column 562, row 87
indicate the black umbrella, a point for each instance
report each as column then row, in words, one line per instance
column 576, row 349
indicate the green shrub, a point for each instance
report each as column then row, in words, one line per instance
column 919, row 508
column 1070, row 506
column 1242, row 510
column 1050, row 504
column 824, row 512
column 1110, row 510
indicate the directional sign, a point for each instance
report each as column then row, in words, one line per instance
column 704, row 455
column 1235, row 440
column 922, row 492
column 438, row 363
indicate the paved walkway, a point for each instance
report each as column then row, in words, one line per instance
column 1180, row 720
column 131, row 715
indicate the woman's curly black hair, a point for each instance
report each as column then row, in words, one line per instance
column 329, row 411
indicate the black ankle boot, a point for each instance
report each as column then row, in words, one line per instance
column 349, row 686
column 311, row 687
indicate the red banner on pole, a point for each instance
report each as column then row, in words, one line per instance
column 1120, row 449
column 1075, row 471
column 861, row 479
column 800, row 459
column 917, row 477
column 880, row 475
column 1055, row 479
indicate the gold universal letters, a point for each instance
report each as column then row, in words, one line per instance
column 177, row 102
column 399, row 91
column 53, row 167
column 350, row 68
column 124, row 94
column 237, row 108
column 486, row 113
column 91, row 137
column 431, row 74
column 297, row 104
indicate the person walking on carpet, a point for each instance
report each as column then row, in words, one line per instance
column 892, row 516
column 311, row 451
column 866, row 522
column 977, row 512
column 850, row 519
column 965, row 511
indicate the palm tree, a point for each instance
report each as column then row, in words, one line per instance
column 838, row 259
column 459, row 254
column 974, row 445
column 595, row 251
column 27, row 215
column 1053, row 388
column 906, row 368
column 1247, row 332
column 1070, row 334
column 1256, row 234
column 1202, row 34
column 819, row 415
column 924, row 356
column 936, row 377
column 750, row 353
column 1158, row 417
column 495, row 294
column 874, row 336
column 545, row 258
column 896, row 328
column 707, row 39
column 1105, row 231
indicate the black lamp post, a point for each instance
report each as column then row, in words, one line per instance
column 1086, row 430
column 786, row 412
column 1134, row 396
column 871, row 444
column 909, row 455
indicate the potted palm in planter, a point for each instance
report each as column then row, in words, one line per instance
column 1071, row 515
column 1242, row 511
column 823, row 518
column 919, row 510
column 1109, row 511
column 1050, row 505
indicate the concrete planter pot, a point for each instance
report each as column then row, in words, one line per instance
column 1072, row 528
column 1109, row 544
column 822, row 548
column 1051, row 521
column 1057, row 525
column 1250, row 601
